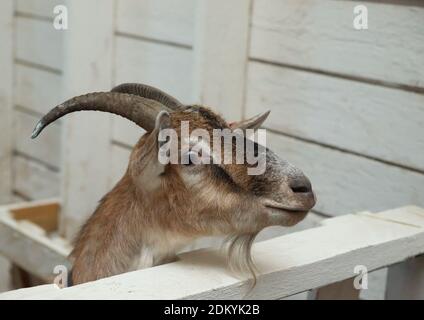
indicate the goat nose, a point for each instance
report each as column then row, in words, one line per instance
column 301, row 184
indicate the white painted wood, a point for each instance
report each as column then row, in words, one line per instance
column 31, row 292
column 86, row 136
column 36, row 89
column 347, row 183
column 31, row 250
column 166, row 20
column 5, row 281
column 34, row 180
column 320, row 35
column 125, row 131
column 287, row 265
column 405, row 280
column 46, row 147
column 166, row 67
column 41, row 8
column 120, row 158
column 222, row 34
column 379, row 122
column 6, row 97
column 38, row 42
column 342, row 290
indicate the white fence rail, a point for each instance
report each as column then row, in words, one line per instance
column 323, row 257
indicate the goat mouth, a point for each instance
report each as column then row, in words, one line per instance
column 287, row 210
column 278, row 207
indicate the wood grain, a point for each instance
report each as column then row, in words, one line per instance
column 46, row 147
column 39, row 43
column 320, row 35
column 34, row 180
column 36, row 89
column 379, row 122
column 166, row 20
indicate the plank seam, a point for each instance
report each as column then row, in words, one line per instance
column 347, row 151
column 33, row 16
column 37, row 66
column 152, row 40
column 370, row 81
column 31, row 158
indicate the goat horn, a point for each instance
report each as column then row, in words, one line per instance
column 149, row 92
column 141, row 111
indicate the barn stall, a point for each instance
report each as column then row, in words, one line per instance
column 347, row 105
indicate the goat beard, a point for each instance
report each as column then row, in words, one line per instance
column 239, row 255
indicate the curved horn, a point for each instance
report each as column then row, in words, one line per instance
column 140, row 110
column 149, row 92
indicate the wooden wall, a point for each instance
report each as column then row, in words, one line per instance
column 347, row 105
column 37, row 87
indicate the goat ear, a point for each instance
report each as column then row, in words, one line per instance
column 252, row 123
column 163, row 121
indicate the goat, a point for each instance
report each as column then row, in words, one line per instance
column 156, row 209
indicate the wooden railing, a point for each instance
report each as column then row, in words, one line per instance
column 325, row 259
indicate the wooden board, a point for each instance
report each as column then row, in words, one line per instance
column 120, row 159
column 6, row 98
column 39, row 43
column 46, row 147
column 287, row 265
column 351, row 115
column 166, row 67
column 221, row 45
column 125, row 131
column 35, row 89
column 347, row 183
column 165, row 20
column 34, row 180
column 88, row 67
column 43, row 213
column 26, row 245
column 41, row 8
column 319, row 34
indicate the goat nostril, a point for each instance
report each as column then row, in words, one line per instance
column 300, row 189
column 301, row 185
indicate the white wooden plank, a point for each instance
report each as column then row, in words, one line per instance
column 222, row 33
column 346, row 183
column 5, row 281
column 31, row 292
column 6, row 97
column 86, row 136
column 166, row 20
column 125, row 131
column 41, row 8
column 36, row 89
column 287, row 265
column 38, row 42
column 120, row 158
column 34, row 180
column 32, row 251
column 46, row 147
column 405, row 280
column 166, row 67
column 319, row 34
column 376, row 121
column 342, row 290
